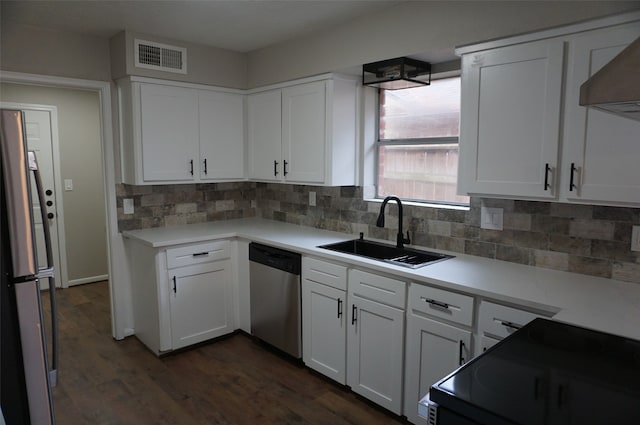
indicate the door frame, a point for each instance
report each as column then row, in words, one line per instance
column 119, row 281
column 57, row 177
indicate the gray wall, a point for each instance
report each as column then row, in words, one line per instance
column 41, row 51
column 429, row 28
column 205, row 65
column 80, row 160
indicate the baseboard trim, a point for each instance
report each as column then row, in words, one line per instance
column 90, row 279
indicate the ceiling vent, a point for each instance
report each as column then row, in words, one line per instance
column 161, row 57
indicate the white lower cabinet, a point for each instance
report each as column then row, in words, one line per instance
column 324, row 338
column 434, row 347
column 497, row 321
column 182, row 294
column 375, row 338
column 201, row 302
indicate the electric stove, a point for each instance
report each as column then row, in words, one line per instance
column 545, row 373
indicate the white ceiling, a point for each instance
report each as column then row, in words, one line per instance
column 239, row 25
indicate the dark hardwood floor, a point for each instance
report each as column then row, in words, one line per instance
column 230, row 381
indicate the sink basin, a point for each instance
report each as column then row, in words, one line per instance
column 407, row 257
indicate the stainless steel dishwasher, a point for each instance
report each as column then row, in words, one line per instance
column 276, row 297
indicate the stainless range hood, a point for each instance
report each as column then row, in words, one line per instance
column 616, row 87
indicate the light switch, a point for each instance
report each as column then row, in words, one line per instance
column 491, row 218
column 312, row 199
column 127, row 205
column 68, row 185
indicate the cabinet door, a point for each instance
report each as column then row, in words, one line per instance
column 264, row 116
column 201, row 302
column 304, row 121
column 169, row 125
column 434, row 349
column 375, row 345
column 510, row 120
column 324, row 335
column 603, row 147
column 221, row 135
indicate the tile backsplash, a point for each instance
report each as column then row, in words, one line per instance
column 592, row 240
column 170, row 205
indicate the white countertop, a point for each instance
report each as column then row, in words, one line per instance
column 592, row 302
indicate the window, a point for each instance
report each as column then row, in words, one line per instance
column 417, row 151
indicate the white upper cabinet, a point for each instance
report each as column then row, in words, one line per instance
column 523, row 134
column 304, row 132
column 509, row 130
column 264, row 122
column 173, row 133
column 603, row 148
column 222, row 144
column 169, row 129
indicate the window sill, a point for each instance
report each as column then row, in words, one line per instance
column 426, row 205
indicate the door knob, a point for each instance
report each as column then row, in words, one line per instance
column 48, row 192
column 50, row 215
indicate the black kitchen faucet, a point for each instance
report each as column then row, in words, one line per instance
column 380, row 223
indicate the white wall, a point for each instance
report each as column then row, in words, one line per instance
column 81, row 161
column 427, row 28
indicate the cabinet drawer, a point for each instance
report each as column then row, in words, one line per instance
column 323, row 272
column 501, row 321
column 377, row 288
column 197, row 253
column 443, row 304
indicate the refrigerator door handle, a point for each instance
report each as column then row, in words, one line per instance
column 49, row 271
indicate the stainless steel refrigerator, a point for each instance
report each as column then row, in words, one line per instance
column 28, row 371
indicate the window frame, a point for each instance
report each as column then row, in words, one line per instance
column 415, row 142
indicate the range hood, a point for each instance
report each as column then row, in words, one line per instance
column 616, row 87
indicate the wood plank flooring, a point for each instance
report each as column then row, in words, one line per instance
column 230, row 381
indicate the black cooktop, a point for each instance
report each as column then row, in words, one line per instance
column 548, row 373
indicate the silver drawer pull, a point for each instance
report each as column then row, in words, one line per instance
column 200, row 254
column 436, row 303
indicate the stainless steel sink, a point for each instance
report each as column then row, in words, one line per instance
column 407, row 257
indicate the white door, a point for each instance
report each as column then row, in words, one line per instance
column 434, row 349
column 221, row 135
column 201, row 302
column 375, row 346
column 324, row 335
column 603, row 148
column 264, row 123
column 169, row 133
column 510, row 120
column 304, row 132
column 39, row 140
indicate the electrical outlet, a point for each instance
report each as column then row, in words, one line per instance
column 312, row 199
column 635, row 238
column 127, row 206
column 491, row 218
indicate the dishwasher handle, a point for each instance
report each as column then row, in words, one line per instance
column 290, row 262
